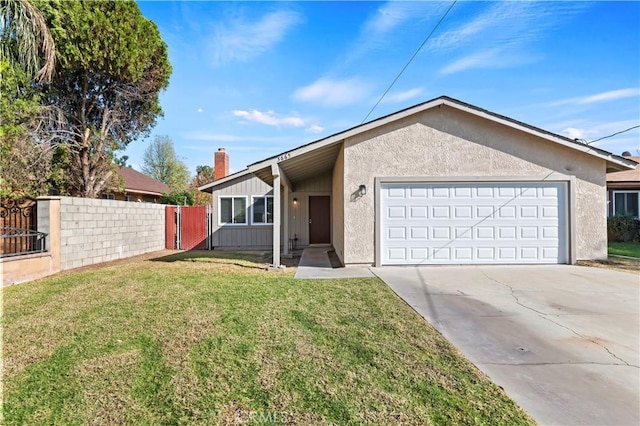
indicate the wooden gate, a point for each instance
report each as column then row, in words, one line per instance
column 187, row 227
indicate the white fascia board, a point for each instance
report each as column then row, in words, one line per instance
column 142, row 191
column 338, row 137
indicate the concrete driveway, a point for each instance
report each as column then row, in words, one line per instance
column 561, row 340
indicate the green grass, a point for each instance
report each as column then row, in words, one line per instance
column 625, row 249
column 215, row 339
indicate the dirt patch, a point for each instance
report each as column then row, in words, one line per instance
column 615, row 263
column 289, row 262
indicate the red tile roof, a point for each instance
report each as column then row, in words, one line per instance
column 626, row 175
column 135, row 181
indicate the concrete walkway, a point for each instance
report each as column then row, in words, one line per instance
column 315, row 264
column 563, row 341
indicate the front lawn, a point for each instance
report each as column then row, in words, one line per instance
column 625, row 249
column 215, row 339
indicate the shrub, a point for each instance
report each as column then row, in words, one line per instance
column 621, row 229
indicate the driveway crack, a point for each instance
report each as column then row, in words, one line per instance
column 545, row 316
column 562, row 363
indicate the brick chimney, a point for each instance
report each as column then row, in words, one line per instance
column 220, row 164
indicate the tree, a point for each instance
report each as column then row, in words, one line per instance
column 204, row 175
column 161, row 162
column 25, row 167
column 112, row 65
column 25, row 39
column 27, row 51
column 182, row 197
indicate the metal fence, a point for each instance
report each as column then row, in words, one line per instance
column 19, row 228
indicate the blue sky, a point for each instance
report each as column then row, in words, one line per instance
column 259, row 78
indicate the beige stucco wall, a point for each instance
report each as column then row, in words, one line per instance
column 337, row 212
column 448, row 142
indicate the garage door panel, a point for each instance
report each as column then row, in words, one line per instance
column 462, row 192
column 418, row 212
column 441, row 233
column 418, row 192
column 396, row 233
column 485, row 233
column 461, row 223
column 419, row 233
column 396, row 212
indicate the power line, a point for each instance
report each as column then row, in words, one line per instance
column 410, row 60
column 613, row 134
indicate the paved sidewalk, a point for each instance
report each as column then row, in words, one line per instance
column 315, row 264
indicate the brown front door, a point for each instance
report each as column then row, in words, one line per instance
column 319, row 220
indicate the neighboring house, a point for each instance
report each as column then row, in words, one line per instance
column 442, row 182
column 138, row 187
column 623, row 191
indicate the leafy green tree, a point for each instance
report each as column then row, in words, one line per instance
column 27, row 51
column 111, row 66
column 161, row 162
column 25, row 166
column 204, row 175
column 26, row 40
column 182, row 197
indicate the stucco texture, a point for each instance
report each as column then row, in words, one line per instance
column 446, row 142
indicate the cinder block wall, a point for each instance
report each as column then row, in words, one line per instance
column 94, row 231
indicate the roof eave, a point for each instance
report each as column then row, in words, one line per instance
column 614, row 162
column 209, row 187
column 142, row 191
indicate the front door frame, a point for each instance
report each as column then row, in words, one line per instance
column 328, row 228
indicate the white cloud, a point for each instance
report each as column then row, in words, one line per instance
column 333, row 93
column 269, row 118
column 199, row 110
column 315, row 128
column 509, row 27
column 575, row 133
column 390, row 16
column 241, row 40
column 403, row 96
column 389, row 21
column 598, row 130
column 611, row 95
column 491, row 58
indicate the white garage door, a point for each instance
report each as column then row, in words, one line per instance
column 479, row 223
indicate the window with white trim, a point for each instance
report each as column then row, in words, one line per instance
column 262, row 210
column 626, row 203
column 108, row 196
column 232, row 211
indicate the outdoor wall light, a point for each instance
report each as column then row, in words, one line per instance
column 295, row 201
column 362, row 190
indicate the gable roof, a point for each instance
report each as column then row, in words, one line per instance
column 629, row 176
column 208, row 187
column 323, row 152
column 134, row 181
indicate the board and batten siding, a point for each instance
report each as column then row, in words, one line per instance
column 261, row 236
column 241, row 236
